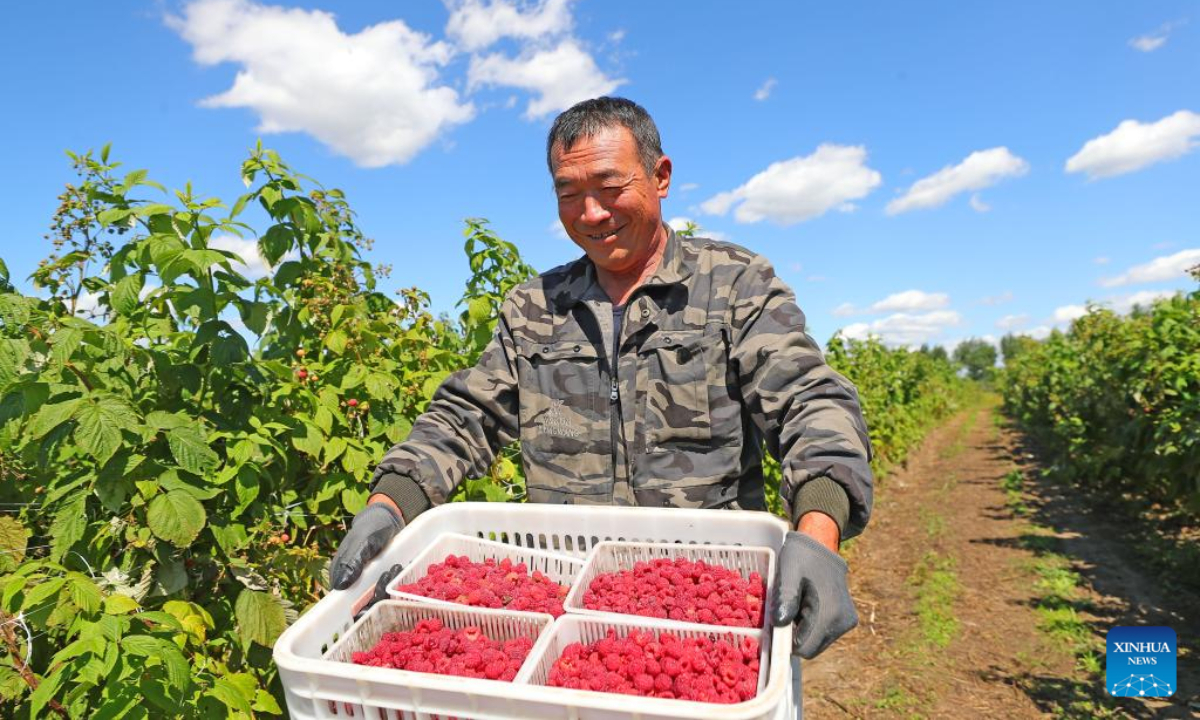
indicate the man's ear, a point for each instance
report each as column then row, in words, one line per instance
column 662, row 176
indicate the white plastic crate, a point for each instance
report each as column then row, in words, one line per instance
column 615, row 556
column 313, row 686
column 560, row 568
column 586, row 630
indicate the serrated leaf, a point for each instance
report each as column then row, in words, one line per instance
column 140, row 645
column 101, row 418
column 14, row 310
column 50, row 416
column 308, row 439
column 246, row 488
column 334, row 448
column 249, row 577
column 191, row 450
column 381, row 386
column 336, row 340
column 176, row 517
column 260, row 617
column 69, row 524
column 120, row 605
column 479, row 311
column 84, row 593
column 41, row 592
column 64, row 343
column 46, row 690
column 125, row 295
column 231, row 538
column 160, row 420
column 354, row 500
column 230, row 696
column 355, row 461
column 12, row 357
column 14, row 538
column 265, row 702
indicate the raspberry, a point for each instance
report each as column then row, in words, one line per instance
column 489, row 584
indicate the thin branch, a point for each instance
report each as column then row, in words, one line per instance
column 9, row 634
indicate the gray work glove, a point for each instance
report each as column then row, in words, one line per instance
column 370, row 532
column 810, row 590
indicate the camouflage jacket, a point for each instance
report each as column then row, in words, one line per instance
column 713, row 359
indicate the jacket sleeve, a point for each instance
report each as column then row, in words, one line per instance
column 808, row 413
column 472, row 415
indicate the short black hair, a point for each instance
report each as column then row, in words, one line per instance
column 587, row 118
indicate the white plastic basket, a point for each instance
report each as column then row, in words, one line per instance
column 581, row 629
column 610, row 557
column 312, row 686
column 560, row 568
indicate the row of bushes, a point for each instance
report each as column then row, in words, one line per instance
column 1115, row 401
column 169, row 492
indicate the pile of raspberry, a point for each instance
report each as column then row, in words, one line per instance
column 664, row 666
column 490, row 584
column 680, row 589
column 430, row 647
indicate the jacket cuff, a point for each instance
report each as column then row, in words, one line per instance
column 824, row 495
column 405, row 492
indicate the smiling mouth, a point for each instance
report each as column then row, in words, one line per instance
column 599, row 237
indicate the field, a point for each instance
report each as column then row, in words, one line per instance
column 177, row 468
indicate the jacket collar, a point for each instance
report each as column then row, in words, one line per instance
column 581, row 282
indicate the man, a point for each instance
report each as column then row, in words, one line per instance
column 648, row 372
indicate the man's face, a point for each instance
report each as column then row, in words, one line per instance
column 607, row 203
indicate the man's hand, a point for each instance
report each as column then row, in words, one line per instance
column 370, row 531
column 810, row 587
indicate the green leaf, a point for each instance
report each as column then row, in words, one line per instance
column 246, row 488
column 191, row 450
column 356, row 461
column 140, row 645
column 231, row 538
column 64, row 343
column 260, row 617
column 308, row 439
column 101, row 418
column 50, row 416
column 42, row 592
column 265, row 702
column 120, row 605
column 124, row 296
column 231, row 696
column 479, row 311
column 381, row 386
column 14, row 309
column 69, row 524
column 14, row 538
column 170, row 480
column 275, row 244
column 46, row 690
column 354, row 500
column 176, row 517
column 160, row 420
column 336, row 341
column 84, row 593
column 13, row 353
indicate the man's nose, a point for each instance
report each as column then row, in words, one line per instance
column 593, row 211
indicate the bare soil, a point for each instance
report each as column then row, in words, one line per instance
column 983, row 654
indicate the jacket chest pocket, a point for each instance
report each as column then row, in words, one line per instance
column 560, row 398
column 675, row 371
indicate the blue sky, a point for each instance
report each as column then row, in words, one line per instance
column 923, row 171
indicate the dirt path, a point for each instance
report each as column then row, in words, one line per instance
column 985, row 591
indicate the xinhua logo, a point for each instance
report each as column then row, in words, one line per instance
column 1140, row 661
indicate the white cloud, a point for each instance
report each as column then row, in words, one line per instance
column 801, row 188
column 681, row 223
column 978, row 205
column 795, row 267
column 371, row 96
column 1041, row 332
column 1102, row 260
column 616, row 36
column 1159, row 269
column 1125, row 303
column 981, row 169
column 560, row 77
column 905, row 329
column 1012, row 322
column 1135, row 145
column 688, row 187
column 1067, row 313
column 910, row 300
column 764, row 91
column 253, row 265
column 475, row 25
column 1148, row 43
column 907, row 301
column 1154, row 40
column 1000, row 299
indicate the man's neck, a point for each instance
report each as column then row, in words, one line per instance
column 620, row 286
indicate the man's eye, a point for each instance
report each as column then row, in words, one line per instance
column 566, row 197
